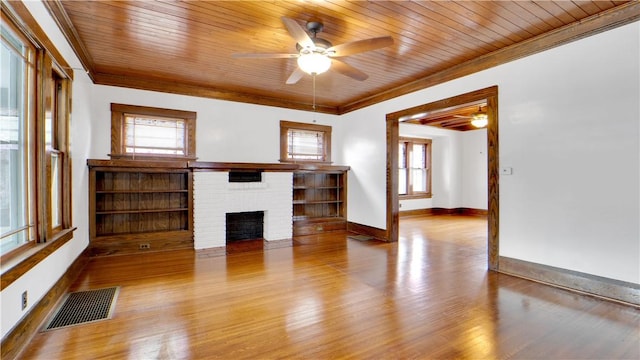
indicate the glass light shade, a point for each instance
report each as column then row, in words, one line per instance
column 314, row 63
column 479, row 119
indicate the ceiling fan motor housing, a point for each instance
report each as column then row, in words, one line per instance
column 314, row 27
column 319, row 42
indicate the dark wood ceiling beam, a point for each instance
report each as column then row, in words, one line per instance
column 455, row 122
column 458, row 124
column 615, row 17
column 445, row 122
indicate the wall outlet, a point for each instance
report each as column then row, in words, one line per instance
column 506, row 170
column 145, row 246
column 25, row 300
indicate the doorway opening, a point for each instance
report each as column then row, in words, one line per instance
column 488, row 95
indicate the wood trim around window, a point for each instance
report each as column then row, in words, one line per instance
column 118, row 112
column 50, row 71
column 284, row 128
column 422, row 194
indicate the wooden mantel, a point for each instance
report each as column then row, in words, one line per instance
column 285, row 167
column 217, row 166
column 122, row 163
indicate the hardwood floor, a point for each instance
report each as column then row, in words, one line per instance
column 328, row 296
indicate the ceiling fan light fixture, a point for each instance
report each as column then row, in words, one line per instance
column 479, row 119
column 314, row 63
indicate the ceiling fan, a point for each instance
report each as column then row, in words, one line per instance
column 479, row 118
column 316, row 55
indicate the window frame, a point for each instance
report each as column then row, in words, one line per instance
column 285, row 126
column 409, row 142
column 29, row 92
column 48, row 70
column 118, row 136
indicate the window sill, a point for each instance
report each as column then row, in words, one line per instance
column 23, row 261
column 415, row 196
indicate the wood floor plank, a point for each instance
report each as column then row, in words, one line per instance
column 427, row 296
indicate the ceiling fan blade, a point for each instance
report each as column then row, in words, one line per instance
column 462, row 116
column 264, row 56
column 297, row 32
column 360, row 46
column 295, row 76
column 348, row 70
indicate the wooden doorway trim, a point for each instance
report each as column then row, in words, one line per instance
column 489, row 94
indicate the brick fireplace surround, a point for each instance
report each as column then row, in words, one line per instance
column 214, row 196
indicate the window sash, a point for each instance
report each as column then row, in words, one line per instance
column 402, row 181
column 418, row 156
column 305, row 145
column 154, row 135
column 418, row 180
column 414, row 173
column 17, row 68
column 403, row 178
column 56, row 190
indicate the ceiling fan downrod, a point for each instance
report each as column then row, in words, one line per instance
column 314, row 91
column 315, row 27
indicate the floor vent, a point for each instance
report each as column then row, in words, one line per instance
column 84, row 307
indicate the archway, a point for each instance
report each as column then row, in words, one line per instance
column 489, row 94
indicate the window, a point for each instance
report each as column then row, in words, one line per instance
column 55, row 135
column 414, row 173
column 139, row 131
column 17, row 86
column 35, row 186
column 301, row 142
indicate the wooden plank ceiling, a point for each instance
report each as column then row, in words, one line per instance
column 187, row 46
column 453, row 118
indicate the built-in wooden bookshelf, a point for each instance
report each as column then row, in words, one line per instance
column 319, row 200
column 139, row 206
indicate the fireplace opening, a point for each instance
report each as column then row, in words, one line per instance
column 245, row 226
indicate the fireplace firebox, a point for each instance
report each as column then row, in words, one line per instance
column 247, row 225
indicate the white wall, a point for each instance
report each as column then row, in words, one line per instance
column 569, row 128
column 364, row 149
column 44, row 275
column 475, row 177
column 225, row 131
column 459, row 168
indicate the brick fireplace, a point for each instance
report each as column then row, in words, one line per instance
column 214, row 196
